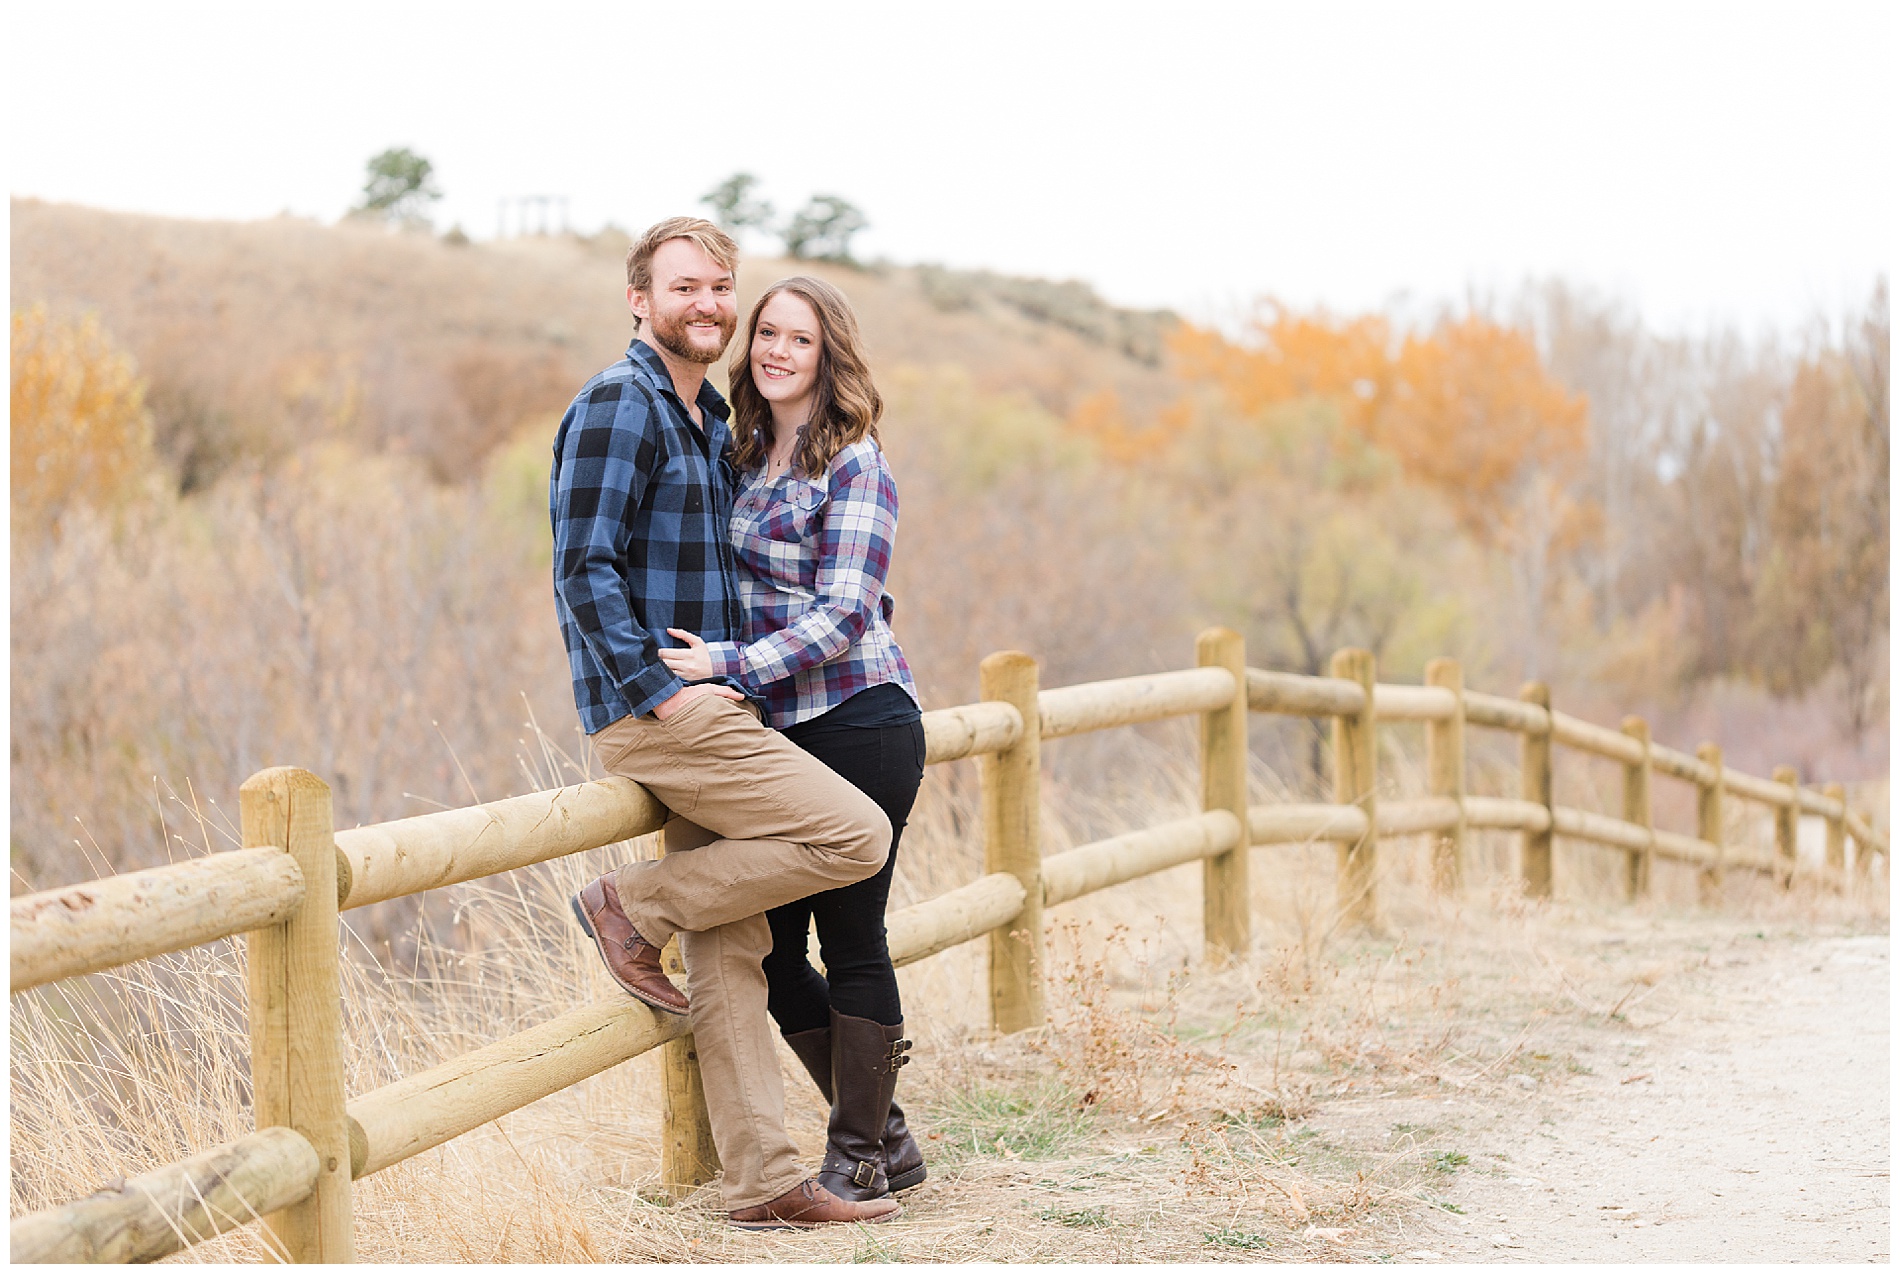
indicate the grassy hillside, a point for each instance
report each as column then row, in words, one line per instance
column 258, row 336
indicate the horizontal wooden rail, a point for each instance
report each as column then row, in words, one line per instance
column 409, row 855
column 1505, row 714
column 1413, row 703
column 974, row 729
column 424, row 1110
column 1417, row 816
column 1821, row 806
column 170, row 1208
column 1293, row 695
column 958, row 916
column 102, row 924
column 1767, row 791
column 1600, row 828
column 1295, row 824
column 1586, row 736
column 1865, row 835
column 1507, row 812
column 1685, row 849
column 1680, row 765
column 1087, row 868
column 1101, row 705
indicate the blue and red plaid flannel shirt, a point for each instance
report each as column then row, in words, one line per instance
column 813, row 558
column 639, row 498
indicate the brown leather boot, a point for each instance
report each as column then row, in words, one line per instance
column 903, row 1157
column 810, row 1204
column 632, row 960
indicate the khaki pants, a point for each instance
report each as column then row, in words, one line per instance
column 759, row 822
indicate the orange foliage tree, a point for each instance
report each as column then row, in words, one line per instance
column 1467, row 408
column 79, row 433
column 1474, row 413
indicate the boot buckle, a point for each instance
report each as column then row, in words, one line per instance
column 864, row 1175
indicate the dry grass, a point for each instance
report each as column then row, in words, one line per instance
column 1160, row 1115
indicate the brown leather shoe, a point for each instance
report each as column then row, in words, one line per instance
column 632, row 960
column 809, row 1205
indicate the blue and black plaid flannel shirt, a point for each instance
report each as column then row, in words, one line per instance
column 639, row 498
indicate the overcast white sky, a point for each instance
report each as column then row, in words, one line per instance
column 1706, row 161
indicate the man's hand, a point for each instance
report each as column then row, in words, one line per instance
column 693, row 663
column 667, row 707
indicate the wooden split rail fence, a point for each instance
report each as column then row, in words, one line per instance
column 285, row 889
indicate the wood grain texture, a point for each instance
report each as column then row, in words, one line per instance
column 1226, row 895
column 1709, row 816
column 973, row 729
column 1445, row 774
column 1101, row 705
column 1087, row 868
column 1535, row 859
column 150, row 1216
column 1500, row 713
column 1290, row 694
column 1012, row 842
column 950, row 919
column 1787, row 825
column 409, row 855
column 1507, row 813
column 1835, row 853
column 421, row 1111
column 1305, row 823
column 1679, row 765
column 1638, row 809
column 295, row 1010
column 62, row 933
column 688, row 1156
column 1356, row 783
column 1587, row 736
column 1414, row 703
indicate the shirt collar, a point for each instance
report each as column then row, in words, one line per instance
column 647, row 360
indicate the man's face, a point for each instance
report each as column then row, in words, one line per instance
column 692, row 308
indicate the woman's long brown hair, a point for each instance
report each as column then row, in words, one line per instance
column 845, row 404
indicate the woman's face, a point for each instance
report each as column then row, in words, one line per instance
column 785, row 349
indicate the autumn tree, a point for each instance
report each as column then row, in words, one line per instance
column 1822, row 597
column 79, row 431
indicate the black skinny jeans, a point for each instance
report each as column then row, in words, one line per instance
column 886, row 763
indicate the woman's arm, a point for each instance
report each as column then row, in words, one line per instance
column 854, row 559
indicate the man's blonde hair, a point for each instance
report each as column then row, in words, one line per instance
column 713, row 241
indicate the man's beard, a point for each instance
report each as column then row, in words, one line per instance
column 672, row 335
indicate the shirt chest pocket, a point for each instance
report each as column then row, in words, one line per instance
column 797, row 513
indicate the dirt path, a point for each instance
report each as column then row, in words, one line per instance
column 1746, row 1121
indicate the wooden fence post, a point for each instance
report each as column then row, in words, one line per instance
column 1012, row 842
column 1637, row 808
column 1708, row 821
column 1787, row 821
column 688, row 1157
column 1226, row 900
column 1535, row 760
column 1356, row 782
column 296, row 1010
column 1445, row 774
column 1837, row 835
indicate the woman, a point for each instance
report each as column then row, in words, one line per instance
column 812, row 527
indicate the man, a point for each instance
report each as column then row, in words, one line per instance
column 640, row 496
